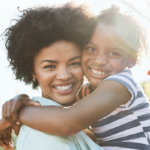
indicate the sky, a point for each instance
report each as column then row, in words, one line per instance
column 9, row 87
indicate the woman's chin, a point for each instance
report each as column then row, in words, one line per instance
column 66, row 101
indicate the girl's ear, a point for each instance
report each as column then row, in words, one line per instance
column 131, row 61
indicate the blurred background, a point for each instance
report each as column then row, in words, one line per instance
column 9, row 87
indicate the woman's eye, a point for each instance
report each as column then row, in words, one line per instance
column 50, row 66
column 90, row 48
column 75, row 64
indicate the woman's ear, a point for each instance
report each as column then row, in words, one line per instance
column 131, row 61
column 33, row 74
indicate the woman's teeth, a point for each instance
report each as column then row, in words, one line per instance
column 98, row 72
column 63, row 88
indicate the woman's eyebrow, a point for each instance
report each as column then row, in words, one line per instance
column 50, row 61
column 77, row 57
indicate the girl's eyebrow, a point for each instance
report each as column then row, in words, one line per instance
column 117, row 48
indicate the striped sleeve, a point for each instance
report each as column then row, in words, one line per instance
column 125, row 78
column 85, row 90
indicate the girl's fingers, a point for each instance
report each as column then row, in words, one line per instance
column 33, row 103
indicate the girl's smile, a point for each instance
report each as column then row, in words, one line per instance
column 104, row 55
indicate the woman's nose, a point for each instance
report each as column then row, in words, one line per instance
column 63, row 74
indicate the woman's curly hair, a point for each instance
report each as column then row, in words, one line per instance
column 130, row 30
column 38, row 28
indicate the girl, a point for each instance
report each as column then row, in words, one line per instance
column 117, row 108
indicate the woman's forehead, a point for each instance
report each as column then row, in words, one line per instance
column 59, row 50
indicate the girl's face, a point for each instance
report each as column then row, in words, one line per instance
column 58, row 71
column 104, row 55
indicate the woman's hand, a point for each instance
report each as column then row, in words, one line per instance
column 5, row 133
column 5, row 139
column 11, row 107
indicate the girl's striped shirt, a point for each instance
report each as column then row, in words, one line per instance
column 128, row 126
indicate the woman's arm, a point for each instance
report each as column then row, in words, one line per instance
column 59, row 121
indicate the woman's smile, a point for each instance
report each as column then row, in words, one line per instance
column 59, row 77
column 63, row 89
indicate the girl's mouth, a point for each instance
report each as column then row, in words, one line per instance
column 101, row 74
column 98, row 72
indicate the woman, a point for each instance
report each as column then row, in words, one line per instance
column 44, row 48
column 117, row 108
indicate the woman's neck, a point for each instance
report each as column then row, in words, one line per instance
column 66, row 104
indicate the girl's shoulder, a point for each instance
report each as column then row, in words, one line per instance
column 85, row 90
column 126, row 79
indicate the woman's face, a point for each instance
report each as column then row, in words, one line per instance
column 58, row 71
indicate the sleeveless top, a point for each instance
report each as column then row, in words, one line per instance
column 128, row 126
column 31, row 139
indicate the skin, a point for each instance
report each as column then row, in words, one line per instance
column 53, row 71
column 104, row 54
column 101, row 54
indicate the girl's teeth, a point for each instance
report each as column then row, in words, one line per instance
column 63, row 88
column 98, row 72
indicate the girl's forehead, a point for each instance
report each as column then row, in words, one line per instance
column 118, row 34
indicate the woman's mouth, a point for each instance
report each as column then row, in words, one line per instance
column 64, row 89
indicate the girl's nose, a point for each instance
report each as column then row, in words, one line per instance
column 100, row 59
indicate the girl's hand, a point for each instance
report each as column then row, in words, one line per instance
column 11, row 108
column 32, row 103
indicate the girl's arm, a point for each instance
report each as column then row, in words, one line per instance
column 11, row 107
column 59, row 121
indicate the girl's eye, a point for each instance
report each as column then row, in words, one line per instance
column 114, row 54
column 75, row 64
column 91, row 48
column 50, row 66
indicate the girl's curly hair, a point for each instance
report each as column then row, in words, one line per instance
column 130, row 30
column 38, row 28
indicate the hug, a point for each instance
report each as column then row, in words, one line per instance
column 54, row 47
